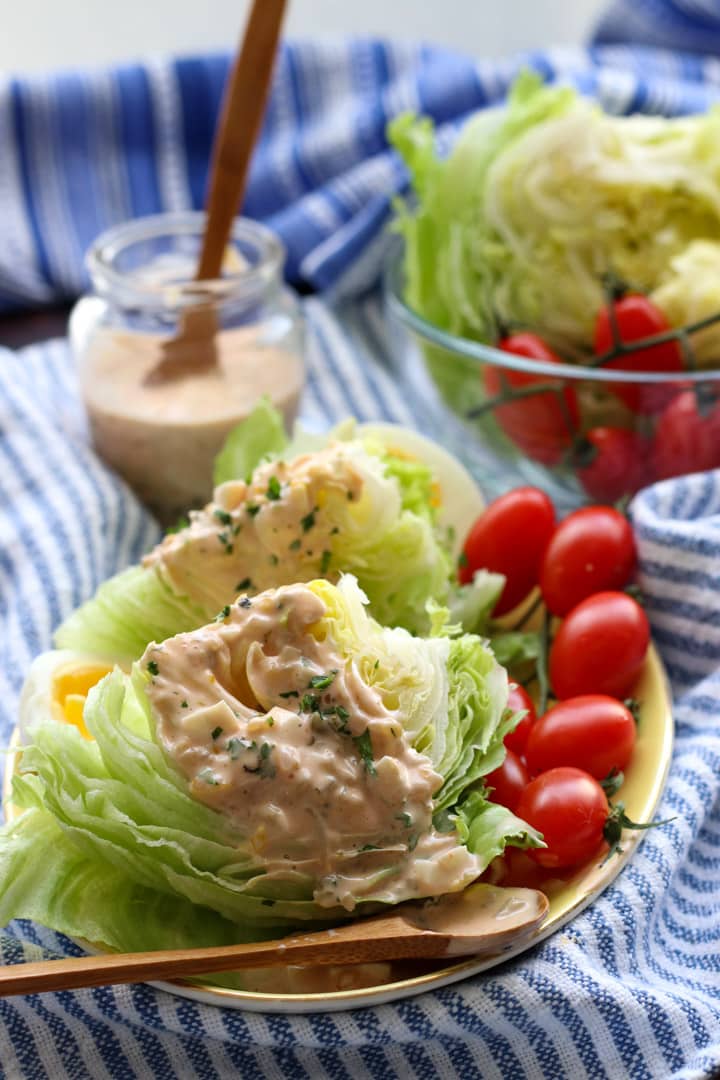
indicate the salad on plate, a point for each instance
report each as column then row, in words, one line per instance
column 205, row 760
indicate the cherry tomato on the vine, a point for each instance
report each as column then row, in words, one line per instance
column 611, row 462
column 687, row 438
column 542, row 425
column 593, row 732
column 592, row 550
column 519, row 700
column 600, row 647
column 508, row 782
column 509, row 538
column 570, row 809
column 637, row 317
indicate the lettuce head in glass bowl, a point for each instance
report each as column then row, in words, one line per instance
column 555, row 290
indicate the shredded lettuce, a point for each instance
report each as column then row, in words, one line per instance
column 538, row 201
column 130, row 858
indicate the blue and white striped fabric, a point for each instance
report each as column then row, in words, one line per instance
column 689, row 25
column 632, row 987
column 82, row 151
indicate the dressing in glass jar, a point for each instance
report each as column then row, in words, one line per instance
column 167, row 365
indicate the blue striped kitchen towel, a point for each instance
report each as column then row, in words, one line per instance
column 631, row 988
column 84, row 150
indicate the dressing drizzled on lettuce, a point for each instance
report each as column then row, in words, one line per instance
column 282, row 513
column 289, row 764
column 538, row 201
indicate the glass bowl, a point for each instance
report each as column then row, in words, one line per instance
column 584, row 434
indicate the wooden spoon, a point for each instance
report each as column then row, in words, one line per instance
column 244, row 102
column 482, row 919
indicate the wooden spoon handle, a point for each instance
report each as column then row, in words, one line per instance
column 239, row 125
column 381, row 938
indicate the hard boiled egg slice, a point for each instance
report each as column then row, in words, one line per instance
column 460, row 500
column 56, row 687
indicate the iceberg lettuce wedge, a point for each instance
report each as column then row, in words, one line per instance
column 346, row 503
column 138, row 853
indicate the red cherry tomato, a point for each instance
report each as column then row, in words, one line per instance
column 508, row 782
column 570, row 809
column 593, row 732
column 600, row 647
column 611, row 462
column 592, row 550
column 519, row 700
column 542, row 425
column 509, row 538
column 687, row 439
column 637, row 317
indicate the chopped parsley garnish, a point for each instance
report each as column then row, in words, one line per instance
column 462, row 559
column 184, row 705
column 251, row 509
column 321, row 682
column 309, row 520
column 288, row 693
column 246, row 583
column 274, row 560
column 350, row 496
column 342, row 714
column 226, row 542
column 223, row 517
column 376, row 665
column 221, row 615
column 412, row 843
column 273, row 488
column 270, row 721
column 309, row 703
column 364, row 748
column 264, row 767
column 208, row 777
column 335, row 530
column 296, row 544
column 268, row 903
column 405, row 818
column 153, row 668
column 370, row 847
column 216, row 732
column 325, row 561
column 236, row 745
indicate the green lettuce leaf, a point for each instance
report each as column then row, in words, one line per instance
column 127, row 612
column 260, row 437
column 485, row 826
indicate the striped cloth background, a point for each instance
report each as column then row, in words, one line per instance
column 632, row 987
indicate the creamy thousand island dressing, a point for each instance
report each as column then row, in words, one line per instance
column 162, row 437
column 275, row 530
column 273, row 727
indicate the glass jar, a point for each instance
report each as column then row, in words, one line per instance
column 168, row 365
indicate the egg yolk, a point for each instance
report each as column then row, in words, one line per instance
column 70, row 689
